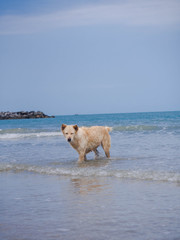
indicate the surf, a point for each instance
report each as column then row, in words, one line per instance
column 139, row 175
column 18, row 133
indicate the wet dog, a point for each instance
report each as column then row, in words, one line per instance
column 87, row 139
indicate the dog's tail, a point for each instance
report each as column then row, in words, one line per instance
column 109, row 129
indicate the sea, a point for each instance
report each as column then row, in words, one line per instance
column 45, row 194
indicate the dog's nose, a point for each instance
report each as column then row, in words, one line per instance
column 69, row 139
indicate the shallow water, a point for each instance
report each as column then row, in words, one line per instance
column 35, row 206
column 135, row 194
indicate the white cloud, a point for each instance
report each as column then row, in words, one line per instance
column 136, row 13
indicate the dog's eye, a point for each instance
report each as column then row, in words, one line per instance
column 72, row 133
column 66, row 133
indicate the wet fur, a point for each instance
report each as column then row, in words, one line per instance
column 87, row 139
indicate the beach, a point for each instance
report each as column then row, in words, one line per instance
column 46, row 194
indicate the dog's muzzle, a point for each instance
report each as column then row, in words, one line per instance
column 69, row 139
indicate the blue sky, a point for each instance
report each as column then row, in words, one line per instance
column 67, row 57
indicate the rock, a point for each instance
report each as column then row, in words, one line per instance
column 23, row 115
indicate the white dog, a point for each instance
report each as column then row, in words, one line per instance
column 87, row 139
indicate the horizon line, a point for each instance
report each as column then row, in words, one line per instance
column 81, row 114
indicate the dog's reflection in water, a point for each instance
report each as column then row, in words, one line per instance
column 87, row 185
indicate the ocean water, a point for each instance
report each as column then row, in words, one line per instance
column 46, row 194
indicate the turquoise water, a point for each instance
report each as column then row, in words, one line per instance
column 144, row 145
column 135, row 194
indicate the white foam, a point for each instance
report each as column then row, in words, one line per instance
column 95, row 172
column 29, row 135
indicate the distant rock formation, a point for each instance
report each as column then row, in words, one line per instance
column 23, row 115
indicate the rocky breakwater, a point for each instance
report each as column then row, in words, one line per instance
column 23, row 115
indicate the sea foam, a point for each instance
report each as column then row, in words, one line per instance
column 94, row 172
column 27, row 133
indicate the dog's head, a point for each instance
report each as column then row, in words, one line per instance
column 69, row 131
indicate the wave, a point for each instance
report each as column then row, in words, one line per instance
column 27, row 133
column 137, row 128
column 94, row 172
column 145, row 128
column 30, row 133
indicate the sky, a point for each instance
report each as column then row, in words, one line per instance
column 87, row 57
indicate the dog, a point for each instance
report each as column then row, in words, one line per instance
column 87, row 139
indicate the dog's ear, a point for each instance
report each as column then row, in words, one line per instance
column 63, row 126
column 76, row 127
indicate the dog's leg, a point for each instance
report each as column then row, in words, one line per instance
column 106, row 144
column 82, row 157
column 96, row 153
column 107, row 153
